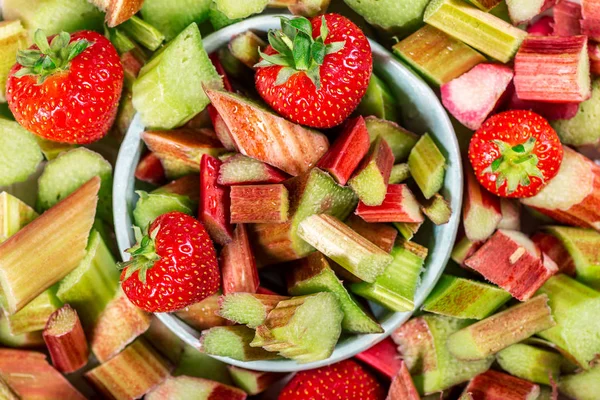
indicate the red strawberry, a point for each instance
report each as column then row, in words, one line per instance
column 315, row 72
column 515, row 154
column 68, row 90
column 171, row 267
column 345, row 380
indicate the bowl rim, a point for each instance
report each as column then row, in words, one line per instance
column 123, row 195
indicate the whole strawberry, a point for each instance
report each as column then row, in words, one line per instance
column 68, row 90
column 315, row 72
column 515, row 154
column 345, row 380
column 171, row 267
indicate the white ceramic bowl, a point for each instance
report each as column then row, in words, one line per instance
column 421, row 112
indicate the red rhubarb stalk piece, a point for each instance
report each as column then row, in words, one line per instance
column 370, row 179
column 347, row 151
column 221, row 129
column 553, row 69
column 214, row 58
column 471, row 97
column 402, row 387
column 494, row 385
column 463, row 249
column 150, row 170
column 481, row 210
column 399, row 205
column 188, row 387
column 590, row 24
column 259, row 204
column 214, row 202
column 238, row 267
column 241, row 170
column 268, row 137
column 573, row 195
column 383, row 357
column 542, row 27
column 511, row 214
column 594, row 53
column 550, row 111
column 381, row 235
column 512, row 261
column 203, row 315
column 184, row 186
column 65, row 340
column 264, row 290
column 553, row 248
column 567, row 18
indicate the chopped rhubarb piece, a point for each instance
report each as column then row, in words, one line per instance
column 221, row 129
column 583, row 385
column 381, row 235
column 242, row 170
column 25, row 340
column 267, row 137
column 422, row 343
column 216, row 62
column 118, row 325
column 494, row 385
column 370, row 180
column 259, row 204
column 150, row 170
column 247, row 308
column 343, row 245
column 532, row 363
column 522, row 11
column 253, row 382
column 31, row 377
column 14, row 215
column 185, row 186
column 427, row 166
column 542, row 27
column 554, row 248
column 590, row 24
column 36, row 257
column 185, row 144
column 399, row 205
column 501, row 330
column 246, row 46
column 553, row 69
column 463, row 249
column 378, row 101
column 165, row 341
column 438, row 57
column 485, row 5
column 6, row 391
column 580, row 130
column 573, row 195
column 408, row 230
column 594, row 53
column 65, row 340
column 480, row 30
column 550, row 111
column 187, row 387
column 437, row 209
column 511, row 214
column 346, row 153
column 400, row 140
column 313, row 274
column 567, row 18
column 402, row 386
column 400, row 173
column 482, row 211
column 238, row 267
column 200, row 365
column 233, row 342
column 474, row 95
column 383, row 357
column 130, row 374
column 203, row 315
column 512, row 261
column 214, row 202
column 464, row 298
column 35, row 314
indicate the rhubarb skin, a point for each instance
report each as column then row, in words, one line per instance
column 383, row 357
column 511, row 260
column 553, row 248
column 150, row 170
column 242, row 170
column 567, row 18
column 399, row 205
column 537, row 64
column 594, row 53
column 238, row 267
column 542, row 27
column 471, row 97
column 550, row 111
column 268, row 204
column 283, row 144
column 66, row 341
column 31, row 377
column 187, row 387
column 371, row 177
column 494, row 385
column 482, row 210
column 463, row 249
column 221, row 130
column 590, row 25
column 203, row 315
column 381, row 235
column 213, row 209
column 346, row 152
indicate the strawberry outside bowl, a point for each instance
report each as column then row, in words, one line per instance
column 421, row 112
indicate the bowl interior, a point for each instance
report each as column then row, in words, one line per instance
column 421, row 112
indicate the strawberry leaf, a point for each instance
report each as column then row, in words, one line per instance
column 302, row 45
column 303, row 25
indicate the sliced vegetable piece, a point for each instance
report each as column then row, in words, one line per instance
column 482, row 212
column 187, row 387
column 238, row 266
column 378, row 101
column 246, row 46
column 524, row 11
column 150, row 170
column 579, row 131
column 259, row 204
column 143, row 33
column 173, row 16
column 203, row 315
column 554, row 248
column 402, row 386
column 531, row 363
column 437, row 209
column 242, row 170
column 65, row 340
column 400, row 173
column 152, row 205
column 14, row 215
column 371, row 177
column 248, row 308
column 13, row 37
column 381, row 235
column 399, row 205
column 214, row 202
column 20, row 153
column 496, row 385
column 400, row 140
column 233, row 342
column 383, row 357
column 567, row 18
column 583, row 386
column 253, row 382
column 34, row 315
column 427, row 166
column 234, row 9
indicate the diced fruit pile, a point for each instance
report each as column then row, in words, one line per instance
column 280, row 198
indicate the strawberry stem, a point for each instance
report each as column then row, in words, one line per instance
column 143, row 255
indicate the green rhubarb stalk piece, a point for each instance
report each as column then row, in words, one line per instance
column 463, row 249
column 172, row 16
column 400, row 173
column 501, row 330
column 203, row 315
column 480, row 30
column 579, row 130
column 583, row 245
column 582, row 386
column 436, row 56
column 152, row 205
column 344, row 246
column 422, row 343
column 397, row 17
column 575, row 308
column 485, row 5
column 190, row 388
column 233, row 342
column 33, row 316
column 465, row 298
column 529, row 362
column 143, row 33
column 218, row 19
column 396, row 287
column 19, row 152
column 399, row 139
column 14, row 215
column 200, row 365
column 13, row 37
column 372, row 175
column 427, row 166
column 246, row 46
column 235, row 9
column 253, row 382
column 312, row 275
column 304, row 328
column 437, row 209
column 119, row 39
column 378, row 101
column 248, row 308
column 163, row 339
column 380, row 234
column 408, row 229
column 25, row 340
column 51, row 149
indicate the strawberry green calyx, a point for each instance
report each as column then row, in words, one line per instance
column 143, row 255
column 49, row 58
column 296, row 50
column 516, row 165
